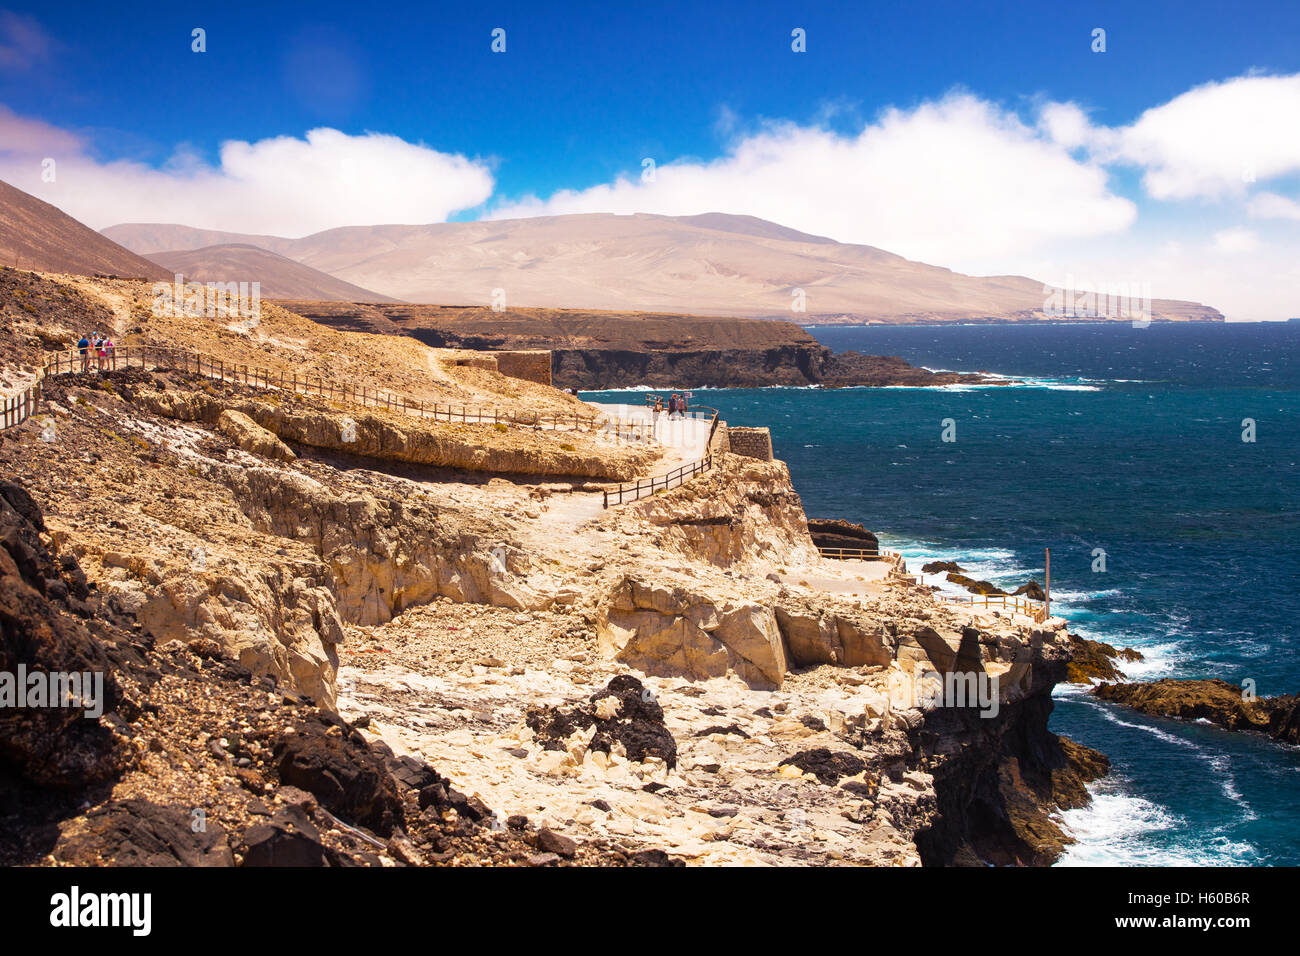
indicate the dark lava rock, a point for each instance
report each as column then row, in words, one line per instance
column 937, row 567
column 1032, row 590
column 828, row 766
column 638, row 726
column 653, row 858
column 974, row 586
column 838, row 533
column 552, row 842
column 289, row 839
column 339, row 768
column 140, row 833
column 442, row 796
column 1212, row 699
column 42, row 628
column 732, row 729
column 1095, row 660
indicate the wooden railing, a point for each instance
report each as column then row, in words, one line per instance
column 1016, row 604
column 18, row 408
column 857, row 554
column 648, row 486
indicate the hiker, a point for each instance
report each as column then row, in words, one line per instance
column 682, row 406
column 84, row 347
column 674, row 405
column 99, row 350
column 659, row 405
column 107, row 349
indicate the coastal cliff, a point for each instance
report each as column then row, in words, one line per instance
column 605, row 350
column 287, row 591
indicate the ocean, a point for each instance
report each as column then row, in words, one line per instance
column 1122, row 451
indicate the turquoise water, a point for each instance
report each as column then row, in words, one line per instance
column 1121, row 439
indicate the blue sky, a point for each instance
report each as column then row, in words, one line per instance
column 586, row 91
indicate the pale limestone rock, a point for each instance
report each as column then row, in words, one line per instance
column 252, row 437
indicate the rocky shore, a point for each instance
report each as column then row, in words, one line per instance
column 344, row 635
column 1212, row 700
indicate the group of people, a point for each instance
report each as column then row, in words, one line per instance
column 100, row 348
column 676, row 405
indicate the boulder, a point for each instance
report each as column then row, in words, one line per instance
column 974, row 586
column 289, row 839
column 135, row 832
column 671, row 632
column 252, row 437
column 338, row 767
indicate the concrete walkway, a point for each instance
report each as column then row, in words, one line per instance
column 688, row 435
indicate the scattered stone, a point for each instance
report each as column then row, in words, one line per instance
column 552, row 842
column 289, row 839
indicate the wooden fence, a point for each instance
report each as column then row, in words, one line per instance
column 857, row 554
column 18, row 408
column 1016, row 604
column 648, row 486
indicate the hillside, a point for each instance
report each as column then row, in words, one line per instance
column 37, row 236
column 281, row 278
column 711, row 264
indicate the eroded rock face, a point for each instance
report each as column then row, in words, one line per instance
column 669, row 630
column 400, row 437
column 743, row 511
column 252, row 437
column 827, row 632
column 382, row 554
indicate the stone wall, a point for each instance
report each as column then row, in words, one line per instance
column 751, row 442
column 533, row 365
column 721, row 439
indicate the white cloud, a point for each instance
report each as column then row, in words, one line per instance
column 1214, row 141
column 931, row 183
column 1067, row 125
column 1273, row 206
column 1235, row 240
column 283, row 186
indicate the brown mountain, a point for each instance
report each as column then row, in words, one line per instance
column 281, row 278
column 711, row 264
column 39, row 237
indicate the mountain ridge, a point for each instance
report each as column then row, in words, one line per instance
column 707, row 264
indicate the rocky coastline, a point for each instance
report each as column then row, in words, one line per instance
column 608, row 350
column 341, row 634
column 1213, row 700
